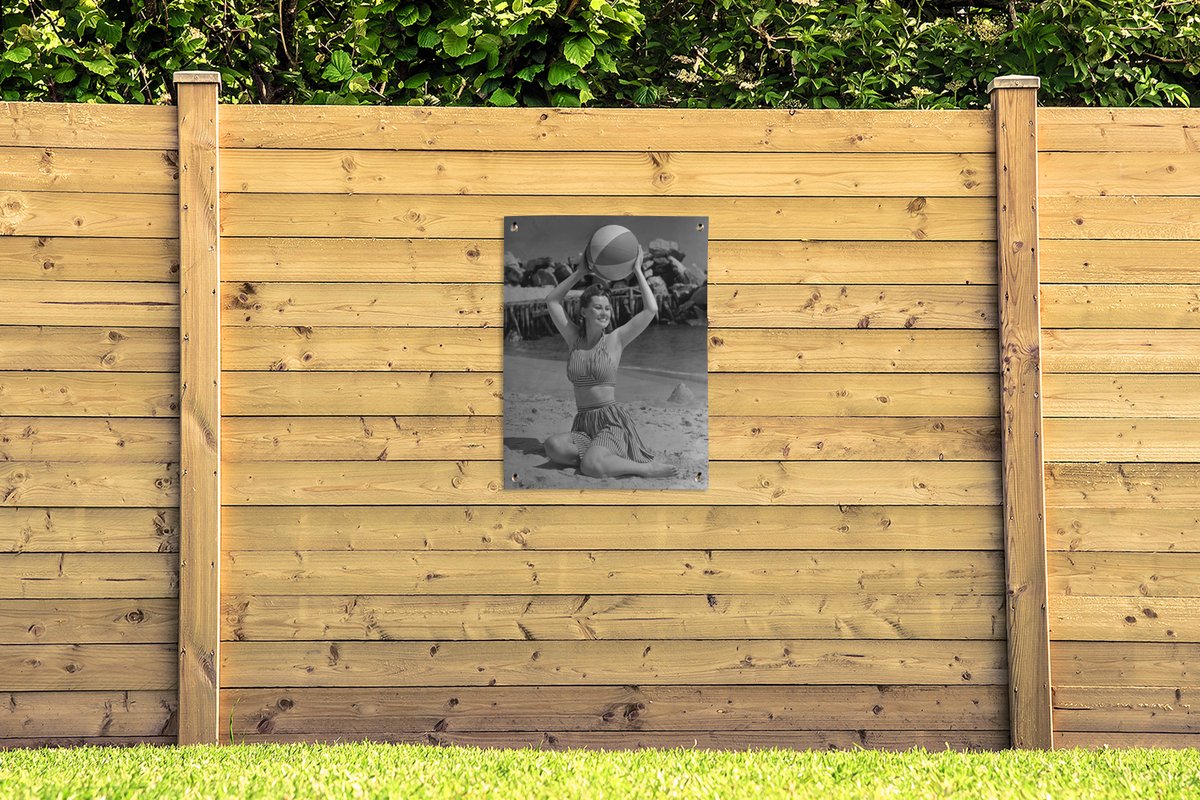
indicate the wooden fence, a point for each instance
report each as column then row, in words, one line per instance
column 272, row 511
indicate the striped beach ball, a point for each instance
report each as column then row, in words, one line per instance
column 612, row 252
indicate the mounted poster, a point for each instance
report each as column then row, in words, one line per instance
column 605, row 352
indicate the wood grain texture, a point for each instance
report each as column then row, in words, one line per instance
column 635, row 130
column 357, row 304
column 199, row 216
column 103, row 485
column 733, row 483
column 448, row 527
column 112, row 349
column 71, row 439
column 1121, row 739
column 1106, row 174
column 48, row 258
column 52, row 213
column 730, row 438
column 474, row 617
column 1167, row 440
column 712, row 174
column 1121, row 351
column 1126, row 709
column 440, row 216
column 1121, row 306
column 1140, row 575
column 1095, row 664
column 606, row 572
column 417, row 260
column 642, row 663
column 1021, row 416
column 1098, row 261
column 848, row 306
column 83, row 667
column 140, row 305
column 1124, row 619
column 86, row 714
column 143, row 620
column 1117, row 130
column 75, row 575
column 88, row 394
column 119, row 127
column 83, row 530
column 1132, row 529
column 1092, row 217
column 1125, row 396
column 1141, row 486
column 383, row 711
column 89, row 170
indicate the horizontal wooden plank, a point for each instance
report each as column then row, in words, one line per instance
column 91, row 170
column 119, row 127
column 69, row 258
column 88, row 741
column 439, row 217
column 382, row 711
column 111, row 484
column 1124, row 664
column 287, row 664
column 734, row 483
column 140, row 305
column 559, row 129
column 53, row 714
column 547, row 172
column 480, row 261
column 1171, row 440
column 357, row 304
column 89, row 621
column 601, row 572
column 89, row 394
column 848, row 306
column 1121, row 351
column 1127, row 709
column 447, row 527
column 1122, row 740
column 322, row 438
column 1116, row 485
column 1118, row 217
column 1107, row 130
column 1132, row 529
column 84, row 530
column 82, row 667
column 1130, row 574
column 78, row 575
column 1124, row 619
column 449, row 393
column 84, row 439
column 585, row 617
column 1129, row 396
column 89, row 349
column 725, row 741
column 1120, row 306
column 1096, row 261
column 90, row 214
column 1144, row 174
column 730, row 350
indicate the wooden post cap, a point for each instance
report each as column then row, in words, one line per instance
column 197, row 76
column 1015, row 82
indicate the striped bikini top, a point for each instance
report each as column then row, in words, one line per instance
column 593, row 367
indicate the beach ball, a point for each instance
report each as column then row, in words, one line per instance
column 612, row 252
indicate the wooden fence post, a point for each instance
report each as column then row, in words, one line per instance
column 1014, row 103
column 200, row 410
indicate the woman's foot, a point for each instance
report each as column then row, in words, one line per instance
column 660, row 469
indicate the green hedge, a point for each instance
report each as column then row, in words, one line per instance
column 708, row 53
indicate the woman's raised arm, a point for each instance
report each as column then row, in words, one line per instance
column 554, row 302
column 638, row 323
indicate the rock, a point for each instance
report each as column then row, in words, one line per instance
column 682, row 395
column 513, row 336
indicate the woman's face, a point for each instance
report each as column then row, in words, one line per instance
column 599, row 311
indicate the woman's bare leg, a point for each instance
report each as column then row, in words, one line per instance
column 561, row 449
column 600, row 462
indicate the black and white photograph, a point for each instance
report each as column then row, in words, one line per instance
column 605, row 352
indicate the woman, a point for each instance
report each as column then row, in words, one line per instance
column 603, row 442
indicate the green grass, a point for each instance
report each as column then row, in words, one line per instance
column 374, row 770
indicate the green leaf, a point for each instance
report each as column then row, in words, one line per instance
column 99, row 67
column 530, row 72
column 560, row 72
column 428, row 37
column 646, row 96
column 579, row 50
column 416, row 81
column 407, row 16
column 340, row 67
column 502, row 98
column 64, row 75
column 454, row 44
column 17, row 55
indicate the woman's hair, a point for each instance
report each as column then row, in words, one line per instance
column 589, row 294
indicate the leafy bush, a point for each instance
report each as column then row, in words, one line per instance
column 700, row 53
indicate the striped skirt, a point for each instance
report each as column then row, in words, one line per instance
column 609, row 426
